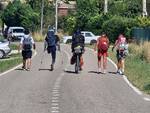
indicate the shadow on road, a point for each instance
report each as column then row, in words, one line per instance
column 41, row 69
column 19, row 69
column 114, row 73
column 95, row 72
column 67, row 71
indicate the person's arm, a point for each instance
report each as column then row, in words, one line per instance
column 33, row 43
column 96, row 44
column 116, row 43
column 72, row 43
column 45, row 44
column 20, row 47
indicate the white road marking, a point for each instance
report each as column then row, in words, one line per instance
column 126, row 80
column 55, row 104
column 55, row 111
column 55, row 108
column 8, row 71
column 147, row 99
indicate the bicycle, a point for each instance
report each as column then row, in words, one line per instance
column 77, row 52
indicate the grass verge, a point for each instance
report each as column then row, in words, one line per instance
column 137, row 69
column 10, row 63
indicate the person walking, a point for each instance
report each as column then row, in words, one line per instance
column 26, row 45
column 102, row 46
column 50, row 46
column 78, row 40
column 121, row 52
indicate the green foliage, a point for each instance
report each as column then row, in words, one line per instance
column 143, row 21
column 114, row 27
column 18, row 14
column 95, row 23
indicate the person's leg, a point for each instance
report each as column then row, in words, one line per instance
column 99, row 64
column 104, row 63
column 29, row 63
column 81, row 62
column 122, row 65
column 53, row 54
column 118, row 60
column 23, row 59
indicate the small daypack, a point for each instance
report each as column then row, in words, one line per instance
column 50, row 39
column 103, row 44
column 27, row 44
column 79, row 39
column 122, row 45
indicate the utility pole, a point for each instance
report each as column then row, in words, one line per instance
column 105, row 6
column 42, row 8
column 56, row 16
column 144, row 8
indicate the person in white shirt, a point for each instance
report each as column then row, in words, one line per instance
column 26, row 45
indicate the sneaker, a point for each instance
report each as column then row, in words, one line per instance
column 99, row 70
column 52, row 68
column 23, row 67
column 104, row 72
column 27, row 69
column 121, row 73
column 118, row 71
column 80, row 68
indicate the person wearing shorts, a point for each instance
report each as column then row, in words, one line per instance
column 120, row 54
column 102, row 54
column 26, row 47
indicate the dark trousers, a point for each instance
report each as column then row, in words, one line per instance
column 52, row 50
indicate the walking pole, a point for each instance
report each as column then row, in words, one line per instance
column 41, row 61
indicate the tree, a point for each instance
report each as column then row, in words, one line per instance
column 18, row 14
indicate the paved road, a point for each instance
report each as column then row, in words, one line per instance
column 63, row 91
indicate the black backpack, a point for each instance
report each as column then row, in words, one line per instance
column 50, row 38
column 27, row 44
column 79, row 40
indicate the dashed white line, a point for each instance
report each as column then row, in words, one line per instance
column 55, row 104
column 55, row 111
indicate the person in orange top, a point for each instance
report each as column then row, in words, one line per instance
column 102, row 52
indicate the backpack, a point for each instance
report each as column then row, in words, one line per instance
column 79, row 39
column 51, row 40
column 122, row 45
column 103, row 44
column 27, row 44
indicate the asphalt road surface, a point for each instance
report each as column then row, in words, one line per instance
column 62, row 91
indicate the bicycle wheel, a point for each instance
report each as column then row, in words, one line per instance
column 77, row 64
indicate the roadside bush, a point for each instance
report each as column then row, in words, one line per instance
column 38, row 37
column 18, row 14
column 136, row 50
column 70, row 24
column 94, row 23
column 114, row 27
column 141, row 51
column 143, row 21
column 146, row 51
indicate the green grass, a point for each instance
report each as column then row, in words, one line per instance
column 136, row 69
column 8, row 64
column 14, row 46
column 138, row 72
